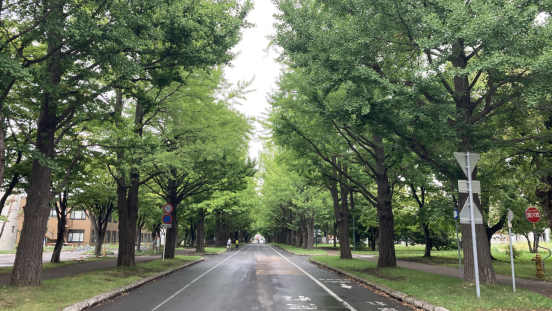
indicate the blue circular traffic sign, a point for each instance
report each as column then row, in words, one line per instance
column 455, row 214
column 167, row 219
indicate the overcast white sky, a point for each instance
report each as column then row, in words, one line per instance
column 253, row 61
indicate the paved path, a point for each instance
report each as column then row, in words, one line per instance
column 254, row 277
column 6, row 260
column 54, row 273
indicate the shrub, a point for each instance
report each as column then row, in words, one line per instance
column 516, row 253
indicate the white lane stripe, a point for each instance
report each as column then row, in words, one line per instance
column 319, row 283
column 161, row 304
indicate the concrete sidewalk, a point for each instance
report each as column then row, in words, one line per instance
column 55, row 273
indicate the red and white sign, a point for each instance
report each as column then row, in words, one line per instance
column 168, row 208
column 532, row 214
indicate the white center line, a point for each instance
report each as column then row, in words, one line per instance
column 173, row 296
column 319, row 283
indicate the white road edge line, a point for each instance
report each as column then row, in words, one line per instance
column 347, row 305
column 173, row 296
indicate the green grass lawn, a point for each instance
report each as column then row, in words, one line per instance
column 328, row 245
column 213, row 250
column 49, row 265
column 149, row 252
column 57, row 294
column 299, row 250
column 443, row 291
column 525, row 268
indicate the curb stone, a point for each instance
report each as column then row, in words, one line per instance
column 419, row 303
column 90, row 302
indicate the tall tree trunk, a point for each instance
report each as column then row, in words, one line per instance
column 217, row 229
column 490, row 231
column 527, row 236
column 427, row 240
column 27, row 268
column 335, row 233
column 200, row 245
column 127, row 201
column 193, row 227
column 543, row 193
column 386, row 249
column 485, row 268
column 343, row 223
column 305, row 232
column 340, row 203
column 310, row 221
column 61, row 215
column 462, row 91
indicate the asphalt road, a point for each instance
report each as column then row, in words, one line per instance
column 254, row 277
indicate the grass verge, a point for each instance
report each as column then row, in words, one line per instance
column 525, row 268
column 442, row 290
column 301, row 251
column 57, row 294
column 63, row 263
column 212, row 250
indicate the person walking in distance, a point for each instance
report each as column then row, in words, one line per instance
column 228, row 243
column 236, row 243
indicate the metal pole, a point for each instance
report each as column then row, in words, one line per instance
column 163, row 257
column 473, row 227
column 512, row 264
column 459, row 250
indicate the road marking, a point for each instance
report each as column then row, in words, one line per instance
column 319, row 283
column 345, row 286
column 161, row 304
column 377, row 303
column 301, row 298
column 302, row 307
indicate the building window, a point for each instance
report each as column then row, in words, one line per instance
column 117, row 238
column 78, row 215
column 142, row 237
column 13, row 229
column 53, row 213
column 114, row 234
column 93, row 237
column 108, row 235
column 109, row 218
column 75, row 235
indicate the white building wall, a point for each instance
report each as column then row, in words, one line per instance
column 9, row 232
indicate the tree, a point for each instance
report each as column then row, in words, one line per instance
column 438, row 83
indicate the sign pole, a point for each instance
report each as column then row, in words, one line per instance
column 510, row 218
column 459, row 250
column 473, row 226
column 163, row 257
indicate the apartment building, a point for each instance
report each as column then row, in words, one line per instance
column 79, row 229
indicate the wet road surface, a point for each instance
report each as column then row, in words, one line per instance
column 254, row 277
